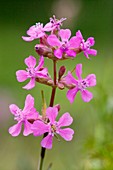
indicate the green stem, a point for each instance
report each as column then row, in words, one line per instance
column 43, row 150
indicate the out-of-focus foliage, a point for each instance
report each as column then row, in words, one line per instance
column 92, row 146
column 99, row 145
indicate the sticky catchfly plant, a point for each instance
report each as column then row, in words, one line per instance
column 53, row 127
column 80, row 85
column 54, row 24
column 36, row 31
column 23, row 117
column 54, row 44
column 32, row 72
column 85, row 45
column 65, row 46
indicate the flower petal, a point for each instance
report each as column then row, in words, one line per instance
column 86, row 54
column 91, row 79
column 74, row 42
column 48, row 27
column 21, row 75
column 78, row 71
column 42, row 74
column 14, row 109
column 15, row 129
column 66, row 133
column 29, row 103
column 27, row 128
column 32, row 115
column 53, row 40
column 71, row 53
column 32, row 31
column 30, row 85
column 70, row 79
column 71, row 94
column 65, row 120
column 41, row 63
column 39, row 128
column 47, row 142
column 52, row 113
column 86, row 95
column 65, row 34
column 91, row 41
column 30, row 61
column 58, row 53
column 92, row 52
column 79, row 34
column 28, row 38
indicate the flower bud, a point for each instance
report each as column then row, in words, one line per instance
column 61, row 72
column 57, row 106
column 43, row 50
column 50, row 82
column 61, row 86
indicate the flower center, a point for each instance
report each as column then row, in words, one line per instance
column 53, row 128
column 82, row 84
column 85, row 45
column 19, row 115
column 31, row 72
column 54, row 21
column 64, row 46
column 38, row 29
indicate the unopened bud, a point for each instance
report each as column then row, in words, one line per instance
column 50, row 82
column 43, row 50
column 61, row 72
column 57, row 106
column 61, row 86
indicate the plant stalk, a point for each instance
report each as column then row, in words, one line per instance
column 43, row 150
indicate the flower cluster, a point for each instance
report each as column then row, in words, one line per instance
column 38, row 124
column 56, row 44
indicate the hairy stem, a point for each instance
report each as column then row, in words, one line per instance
column 43, row 150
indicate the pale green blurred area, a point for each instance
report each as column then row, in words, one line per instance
column 92, row 145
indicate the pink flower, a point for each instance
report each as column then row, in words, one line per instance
column 22, row 117
column 85, row 46
column 37, row 31
column 32, row 72
column 34, row 32
column 53, row 127
column 80, row 85
column 65, row 46
column 54, row 24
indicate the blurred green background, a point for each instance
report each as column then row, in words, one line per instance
column 92, row 146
